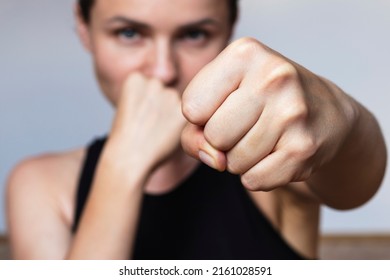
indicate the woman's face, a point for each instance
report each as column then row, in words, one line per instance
column 166, row 39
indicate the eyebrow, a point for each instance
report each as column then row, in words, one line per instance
column 128, row 21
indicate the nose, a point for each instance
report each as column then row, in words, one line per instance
column 163, row 63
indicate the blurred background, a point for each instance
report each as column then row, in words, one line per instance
column 49, row 99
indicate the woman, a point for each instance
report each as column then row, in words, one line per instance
column 250, row 111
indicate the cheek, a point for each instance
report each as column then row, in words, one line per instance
column 112, row 67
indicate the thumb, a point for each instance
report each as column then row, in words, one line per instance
column 195, row 144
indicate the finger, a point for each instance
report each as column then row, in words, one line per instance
column 195, row 144
column 259, row 142
column 292, row 161
column 212, row 85
column 134, row 84
column 234, row 118
column 275, row 170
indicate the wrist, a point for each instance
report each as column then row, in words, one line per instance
column 125, row 164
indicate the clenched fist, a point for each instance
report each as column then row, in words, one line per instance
column 258, row 114
column 148, row 122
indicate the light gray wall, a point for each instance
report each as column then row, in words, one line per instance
column 49, row 100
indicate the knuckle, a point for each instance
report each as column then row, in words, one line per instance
column 155, row 84
column 303, row 148
column 240, row 159
column 134, row 78
column 132, row 84
column 191, row 107
column 233, row 165
column 286, row 70
column 281, row 73
column 214, row 136
column 249, row 182
column 295, row 111
column 233, row 169
column 191, row 112
column 253, row 184
column 246, row 47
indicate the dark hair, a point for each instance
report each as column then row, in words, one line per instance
column 86, row 6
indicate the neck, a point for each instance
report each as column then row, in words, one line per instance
column 166, row 176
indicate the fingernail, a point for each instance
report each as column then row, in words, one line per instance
column 207, row 159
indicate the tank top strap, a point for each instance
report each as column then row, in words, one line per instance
column 86, row 177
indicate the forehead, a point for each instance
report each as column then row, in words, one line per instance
column 161, row 11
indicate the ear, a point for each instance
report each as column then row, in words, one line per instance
column 82, row 28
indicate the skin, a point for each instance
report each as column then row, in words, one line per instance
column 273, row 122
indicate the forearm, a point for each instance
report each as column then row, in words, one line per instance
column 108, row 226
column 145, row 132
column 355, row 173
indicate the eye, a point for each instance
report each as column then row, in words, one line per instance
column 195, row 35
column 127, row 33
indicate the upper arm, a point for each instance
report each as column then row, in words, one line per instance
column 36, row 227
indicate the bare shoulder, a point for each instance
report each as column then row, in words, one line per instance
column 40, row 200
column 294, row 212
column 51, row 176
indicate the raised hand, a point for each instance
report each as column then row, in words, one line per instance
column 260, row 115
column 148, row 122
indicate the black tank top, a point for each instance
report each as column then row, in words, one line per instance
column 208, row 216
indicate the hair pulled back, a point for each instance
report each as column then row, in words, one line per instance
column 86, row 6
